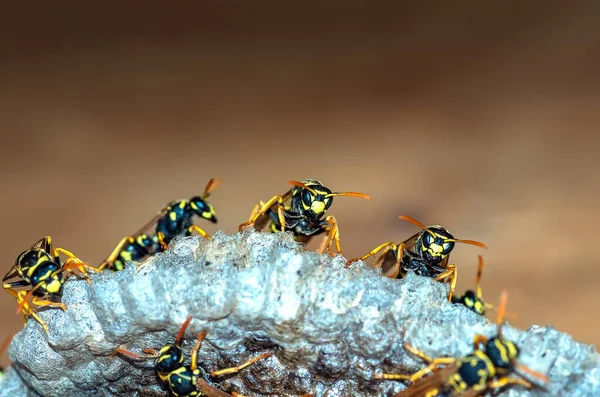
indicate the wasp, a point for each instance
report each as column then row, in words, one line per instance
column 301, row 211
column 3, row 348
column 175, row 220
column 40, row 268
column 488, row 367
column 187, row 380
column 426, row 253
column 473, row 299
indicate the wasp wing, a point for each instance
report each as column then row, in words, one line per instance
column 151, row 223
column 422, row 386
column 409, row 243
column 42, row 244
column 209, row 390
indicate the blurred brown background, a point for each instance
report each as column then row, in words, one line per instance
column 479, row 117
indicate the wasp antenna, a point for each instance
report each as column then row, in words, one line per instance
column 470, row 242
column 538, row 375
column 210, row 187
column 501, row 311
column 303, row 186
column 350, row 194
column 130, row 354
column 415, row 222
column 182, row 330
column 196, row 348
column 478, row 278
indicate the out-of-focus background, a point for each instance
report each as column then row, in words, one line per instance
column 479, row 117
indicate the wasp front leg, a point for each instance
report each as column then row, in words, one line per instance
column 27, row 309
column 333, row 234
column 502, row 382
column 198, row 230
column 237, row 369
column 81, row 266
column 383, row 248
column 452, row 272
column 264, row 209
column 433, row 364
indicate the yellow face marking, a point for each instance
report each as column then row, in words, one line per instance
column 435, row 249
column 479, row 307
column 126, row 255
column 318, row 207
column 206, row 214
column 193, row 205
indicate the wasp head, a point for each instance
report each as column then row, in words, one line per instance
column 203, row 209
column 316, row 199
column 503, row 353
column 435, row 244
column 169, row 359
column 471, row 300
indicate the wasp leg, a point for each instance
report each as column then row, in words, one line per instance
column 161, row 240
column 81, row 266
column 452, row 272
column 234, row 370
column 479, row 340
column 385, row 247
column 333, row 234
column 198, row 230
column 434, row 363
column 499, row 383
column 391, row 376
column 36, row 300
column 255, row 210
column 27, row 309
column 109, row 262
column 263, row 210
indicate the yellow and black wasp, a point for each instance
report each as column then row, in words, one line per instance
column 3, row 348
column 426, row 253
column 473, row 299
column 301, row 211
column 487, row 368
column 41, row 269
column 187, row 380
column 175, row 220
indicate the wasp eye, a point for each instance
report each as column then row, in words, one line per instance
column 428, row 238
column 448, row 246
column 307, row 197
column 328, row 202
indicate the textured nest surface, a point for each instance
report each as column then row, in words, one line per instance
column 330, row 328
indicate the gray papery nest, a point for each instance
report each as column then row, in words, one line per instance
column 330, row 328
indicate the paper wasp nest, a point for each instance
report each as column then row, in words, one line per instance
column 330, row 328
